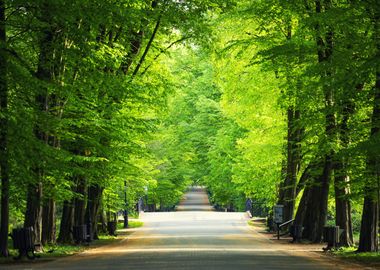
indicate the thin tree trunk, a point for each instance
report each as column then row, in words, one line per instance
column 4, row 167
column 147, row 48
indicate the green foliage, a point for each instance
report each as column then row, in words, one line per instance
column 143, row 98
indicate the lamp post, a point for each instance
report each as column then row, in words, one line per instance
column 125, row 205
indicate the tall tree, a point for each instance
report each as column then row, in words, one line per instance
column 4, row 148
column 369, row 239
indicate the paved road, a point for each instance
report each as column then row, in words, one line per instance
column 194, row 237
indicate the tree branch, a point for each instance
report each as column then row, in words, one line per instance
column 163, row 51
column 147, row 48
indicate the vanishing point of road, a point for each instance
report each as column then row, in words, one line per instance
column 195, row 237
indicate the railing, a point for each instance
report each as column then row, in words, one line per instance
column 279, row 225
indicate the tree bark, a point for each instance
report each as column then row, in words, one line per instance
column 341, row 179
column 369, row 239
column 288, row 189
column 317, row 199
column 67, row 222
column 48, row 222
column 80, row 202
column 93, row 206
column 342, row 204
column 316, row 204
column 33, row 214
column 4, row 166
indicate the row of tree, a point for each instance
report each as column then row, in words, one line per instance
column 285, row 110
column 320, row 61
column 81, row 90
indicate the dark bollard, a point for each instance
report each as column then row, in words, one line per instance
column 331, row 237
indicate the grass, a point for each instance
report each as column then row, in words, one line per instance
column 50, row 252
column 131, row 224
column 370, row 258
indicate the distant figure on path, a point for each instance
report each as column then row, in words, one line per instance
column 248, row 206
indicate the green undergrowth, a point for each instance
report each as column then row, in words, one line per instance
column 372, row 258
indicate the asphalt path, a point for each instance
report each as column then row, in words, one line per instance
column 195, row 237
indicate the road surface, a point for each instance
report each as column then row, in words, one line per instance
column 195, row 237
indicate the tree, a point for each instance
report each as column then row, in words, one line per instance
column 4, row 165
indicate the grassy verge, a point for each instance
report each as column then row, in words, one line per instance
column 367, row 258
column 131, row 224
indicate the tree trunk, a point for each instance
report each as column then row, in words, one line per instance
column 317, row 199
column 33, row 214
column 80, row 202
column 316, row 205
column 4, row 167
column 369, row 239
column 342, row 204
column 341, row 179
column 93, row 205
column 288, row 189
column 48, row 222
column 301, row 211
column 67, row 222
